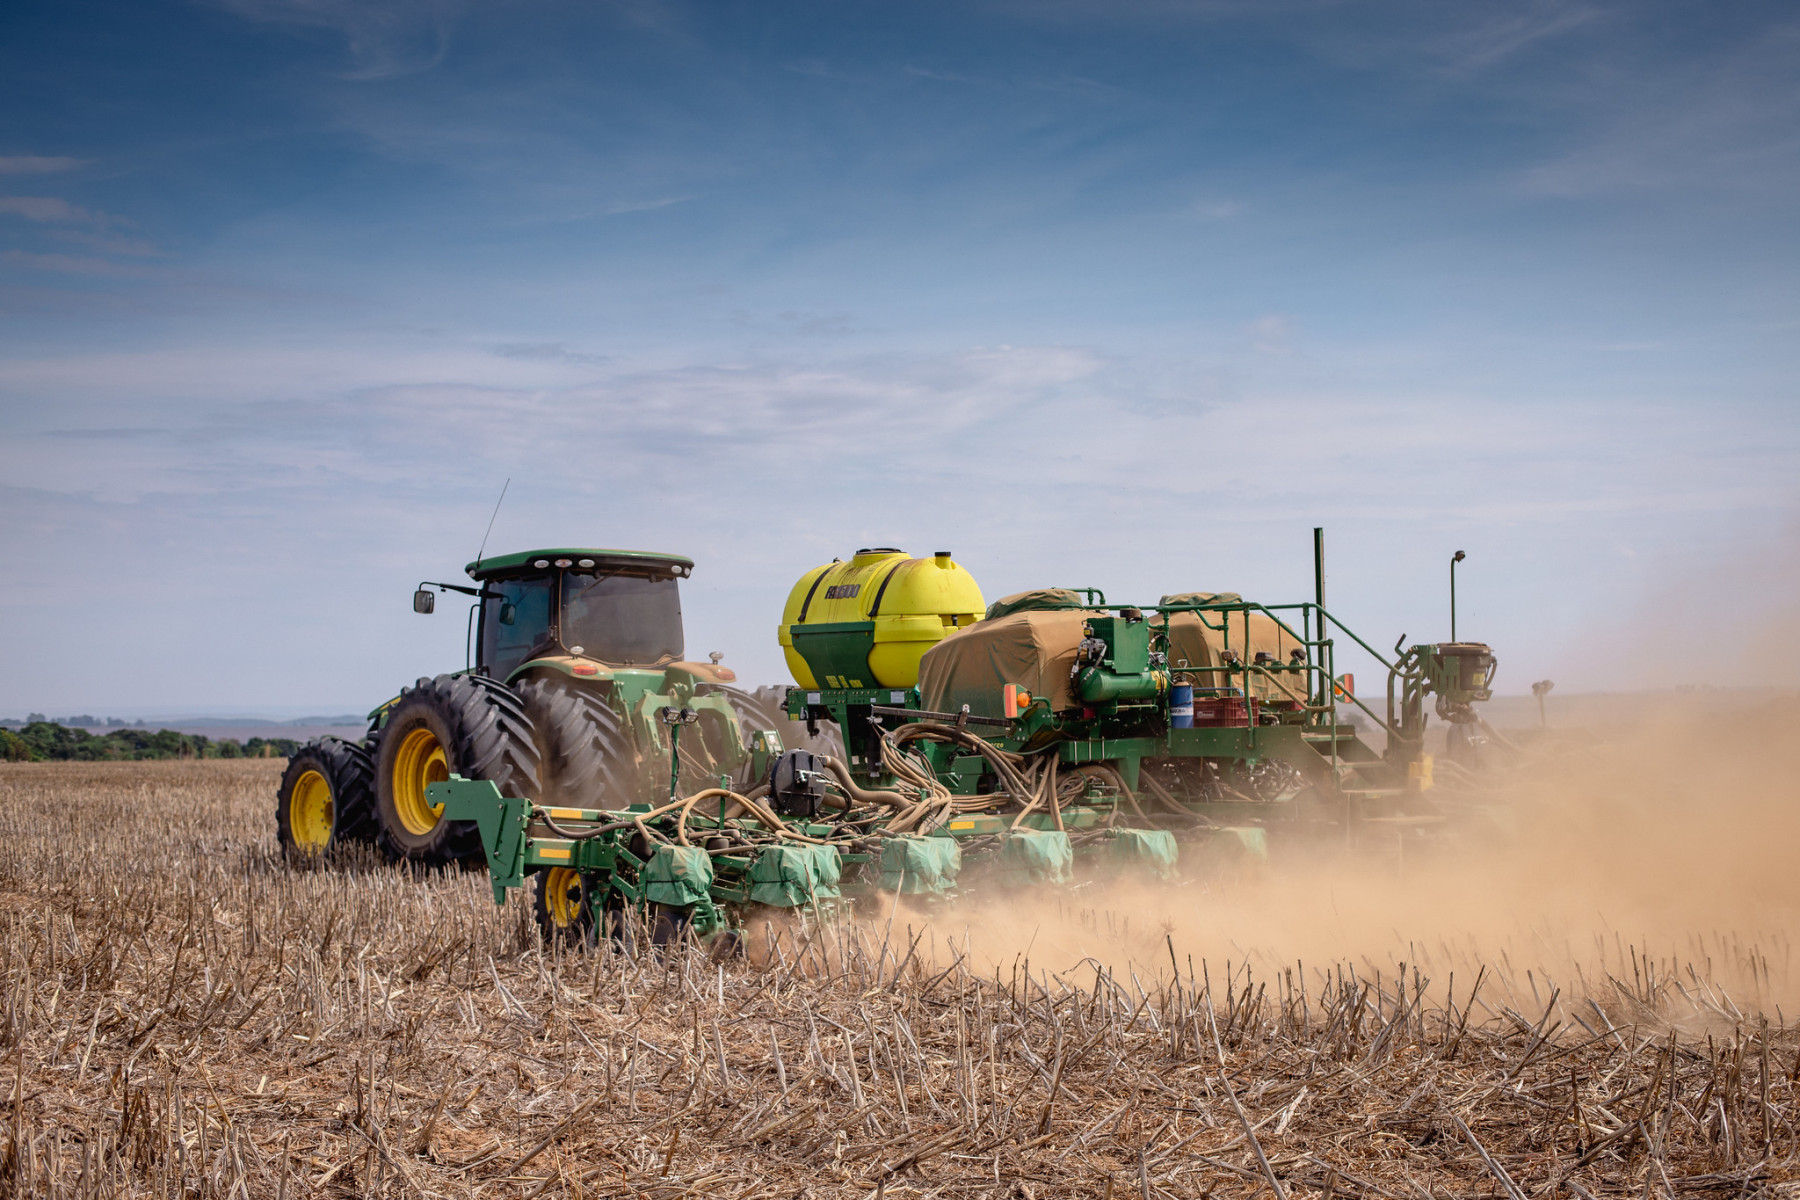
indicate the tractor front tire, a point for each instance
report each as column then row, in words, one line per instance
column 587, row 755
column 467, row 725
column 326, row 799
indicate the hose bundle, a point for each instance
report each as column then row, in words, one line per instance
column 917, row 803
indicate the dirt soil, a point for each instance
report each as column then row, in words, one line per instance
column 183, row 1014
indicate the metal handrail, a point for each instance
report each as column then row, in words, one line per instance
column 1262, row 670
column 1269, row 611
column 1324, row 646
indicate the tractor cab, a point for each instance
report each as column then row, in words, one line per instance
column 621, row 608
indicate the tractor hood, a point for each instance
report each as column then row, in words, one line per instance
column 668, row 675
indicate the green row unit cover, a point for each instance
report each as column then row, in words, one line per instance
column 678, row 875
column 914, row 865
column 794, row 874
column 1029, row 857
column 1140, row 851
column 1236, row 844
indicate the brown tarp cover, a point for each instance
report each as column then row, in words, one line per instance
column 1250, row 633
column 1036, row 598
column 1034, row 648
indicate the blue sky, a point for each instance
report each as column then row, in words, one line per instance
column 1128, row 293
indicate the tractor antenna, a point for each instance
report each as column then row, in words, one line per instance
column 490, row 528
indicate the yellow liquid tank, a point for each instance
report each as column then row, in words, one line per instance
column 866, row 623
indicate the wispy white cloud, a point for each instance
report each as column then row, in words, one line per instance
column 36, row 164
column 48, row 209
column 110, row 243
column 622, row 207
column 1723, row 125
column 1217, row 210
column 1037, row 328
column 384, row 39
column 553, row 352
column 72, row 264
column 1490, row 37
column 1024, row 458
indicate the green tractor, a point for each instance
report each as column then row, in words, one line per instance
column 576, row 693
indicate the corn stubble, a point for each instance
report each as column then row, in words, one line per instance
column 186, row 1015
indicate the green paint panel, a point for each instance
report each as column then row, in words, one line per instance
column 1127, row 643
column 501, row 820
column 838, row 653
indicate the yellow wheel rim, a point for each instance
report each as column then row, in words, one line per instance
column 562, row 896
column 418, row 763
column 310, row 810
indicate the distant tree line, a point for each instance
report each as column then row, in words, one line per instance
column 47, row 741
column 84, row 720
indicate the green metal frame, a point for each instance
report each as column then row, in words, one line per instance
column 518, row 843
column 1124, row 720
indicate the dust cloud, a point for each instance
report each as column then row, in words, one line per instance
column 1662, row 856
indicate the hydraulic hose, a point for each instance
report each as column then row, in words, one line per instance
column 861, row 796
column 682, row 808
column 1124, row 789
column 1005, row 763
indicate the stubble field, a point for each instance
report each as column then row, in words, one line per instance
column 183, row 1014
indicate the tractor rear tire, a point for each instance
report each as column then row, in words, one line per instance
column 326, row 799
column 765, row 708
column 753, row 712
column 588, row 760
column 771, row 702
column 466, row 725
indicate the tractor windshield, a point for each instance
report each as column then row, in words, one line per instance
column 621, row 618
column 516, row 626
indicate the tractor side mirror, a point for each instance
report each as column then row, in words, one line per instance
column 424, row 601
column 508, row 614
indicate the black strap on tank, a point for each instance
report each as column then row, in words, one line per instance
column 875, row 609
column 807, row 603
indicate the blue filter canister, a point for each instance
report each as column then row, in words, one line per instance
column 1181, row 706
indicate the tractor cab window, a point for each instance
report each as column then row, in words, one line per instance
column 516, row 626
column 622, row 618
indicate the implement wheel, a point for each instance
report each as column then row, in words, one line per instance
column 325, row 798
column 465, row 725
column 587, row 755
column 563, row 907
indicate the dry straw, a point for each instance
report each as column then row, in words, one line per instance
column 181, row 1014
